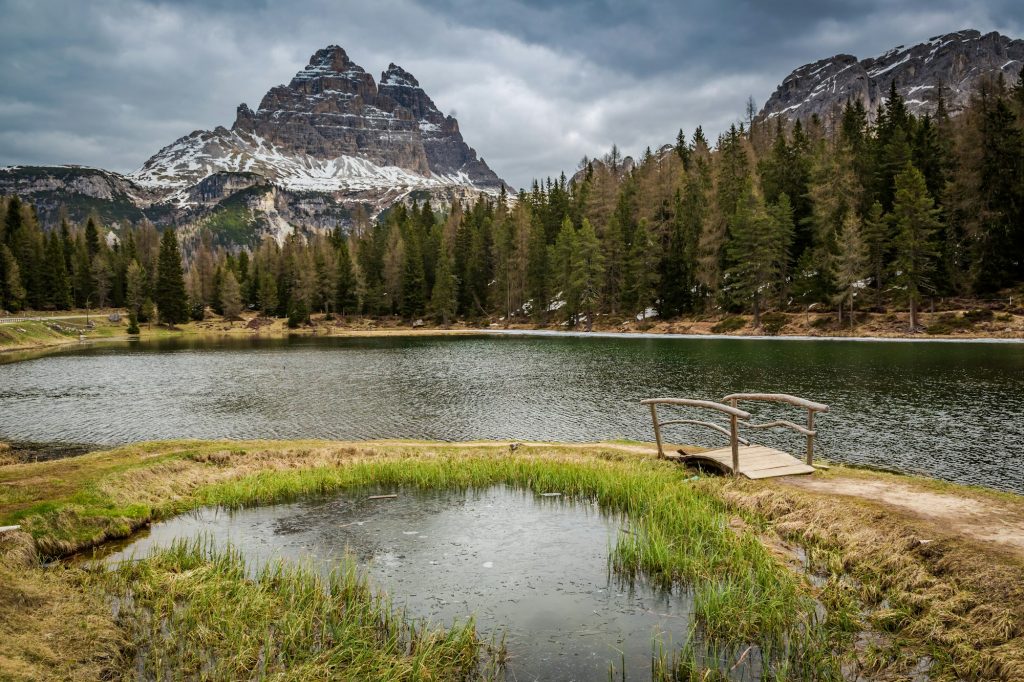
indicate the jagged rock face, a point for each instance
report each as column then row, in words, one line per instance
column 333, row 108
column 954, row 63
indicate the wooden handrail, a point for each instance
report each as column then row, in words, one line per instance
column 707, row 404
column 778, row 398
column 735, row 415
column 711, row 425
column 783, row 423
column 809, row 405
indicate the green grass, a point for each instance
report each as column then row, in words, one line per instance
column 192, row 612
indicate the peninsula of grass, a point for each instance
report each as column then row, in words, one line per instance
column 820, row 589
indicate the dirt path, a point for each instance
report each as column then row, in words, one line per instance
column 983, row 519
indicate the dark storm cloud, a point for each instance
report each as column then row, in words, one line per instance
column 536, row 85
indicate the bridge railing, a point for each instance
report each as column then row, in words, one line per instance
column 734, row 413
column 733, row 399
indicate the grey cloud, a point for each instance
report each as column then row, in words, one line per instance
column 537, row 85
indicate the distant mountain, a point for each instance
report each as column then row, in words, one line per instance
column 954, row 63
column 314, row 150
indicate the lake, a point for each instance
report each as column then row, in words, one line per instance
column 949, row 410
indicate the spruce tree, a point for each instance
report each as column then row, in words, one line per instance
column 587, row 265
column 537, row 275
column 413, row 281
column 268, row 301
column 345, row 298
column 916, row 223
column 58, row 288
column 561, row 260
column 443, row 301
column 92, row 237
column 876, row 238
column 752, row 253
column 136, row 287
column 169, row 294
column 851, row 266
column 230, row 295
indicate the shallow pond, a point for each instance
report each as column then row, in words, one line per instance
column 529, row 567
column 950, row 410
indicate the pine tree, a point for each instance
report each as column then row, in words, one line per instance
column 13, row 291
column 414, row 282
column 92, row 237
column 345, row 299
column 101, row 278
column 443, row 302
column 169, row 294
column 561, row 260
column 230, row 295
column 916, row 222
column 877, row 242
column 537, row 272
column 58, row 288
column 851, row 266
column 268, row 293
column 751, row 250
column 642, row 265
column 136, row 287
column 587, row 264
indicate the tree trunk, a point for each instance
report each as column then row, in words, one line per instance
column 913, row 314
column 757, row 311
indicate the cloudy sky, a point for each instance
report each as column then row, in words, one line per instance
column 536, row 85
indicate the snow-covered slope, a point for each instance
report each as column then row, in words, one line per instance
column 186, row 162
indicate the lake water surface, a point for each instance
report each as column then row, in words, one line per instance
column 950, row 410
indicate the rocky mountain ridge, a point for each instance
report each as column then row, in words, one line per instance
column 329, row 141
column 953, row 64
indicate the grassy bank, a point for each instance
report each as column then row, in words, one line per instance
column 823, row 585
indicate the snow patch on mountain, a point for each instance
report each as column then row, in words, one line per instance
column 194, row 157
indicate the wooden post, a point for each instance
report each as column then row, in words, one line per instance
column 810, row 438
column 657, row 429
column 734, row 437
column 735, row 440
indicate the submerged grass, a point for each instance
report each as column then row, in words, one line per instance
column 194, row 612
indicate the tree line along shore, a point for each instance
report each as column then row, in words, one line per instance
column 849, row 215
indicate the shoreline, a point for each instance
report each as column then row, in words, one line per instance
column 38, row 335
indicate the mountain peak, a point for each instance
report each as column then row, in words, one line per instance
column 397, row 76
column 332, row 129
column 952, row 63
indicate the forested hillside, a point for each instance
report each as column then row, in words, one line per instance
column 770, row 216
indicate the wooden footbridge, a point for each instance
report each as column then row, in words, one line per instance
column 741, row 456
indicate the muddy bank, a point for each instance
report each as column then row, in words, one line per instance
column 22, row 452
